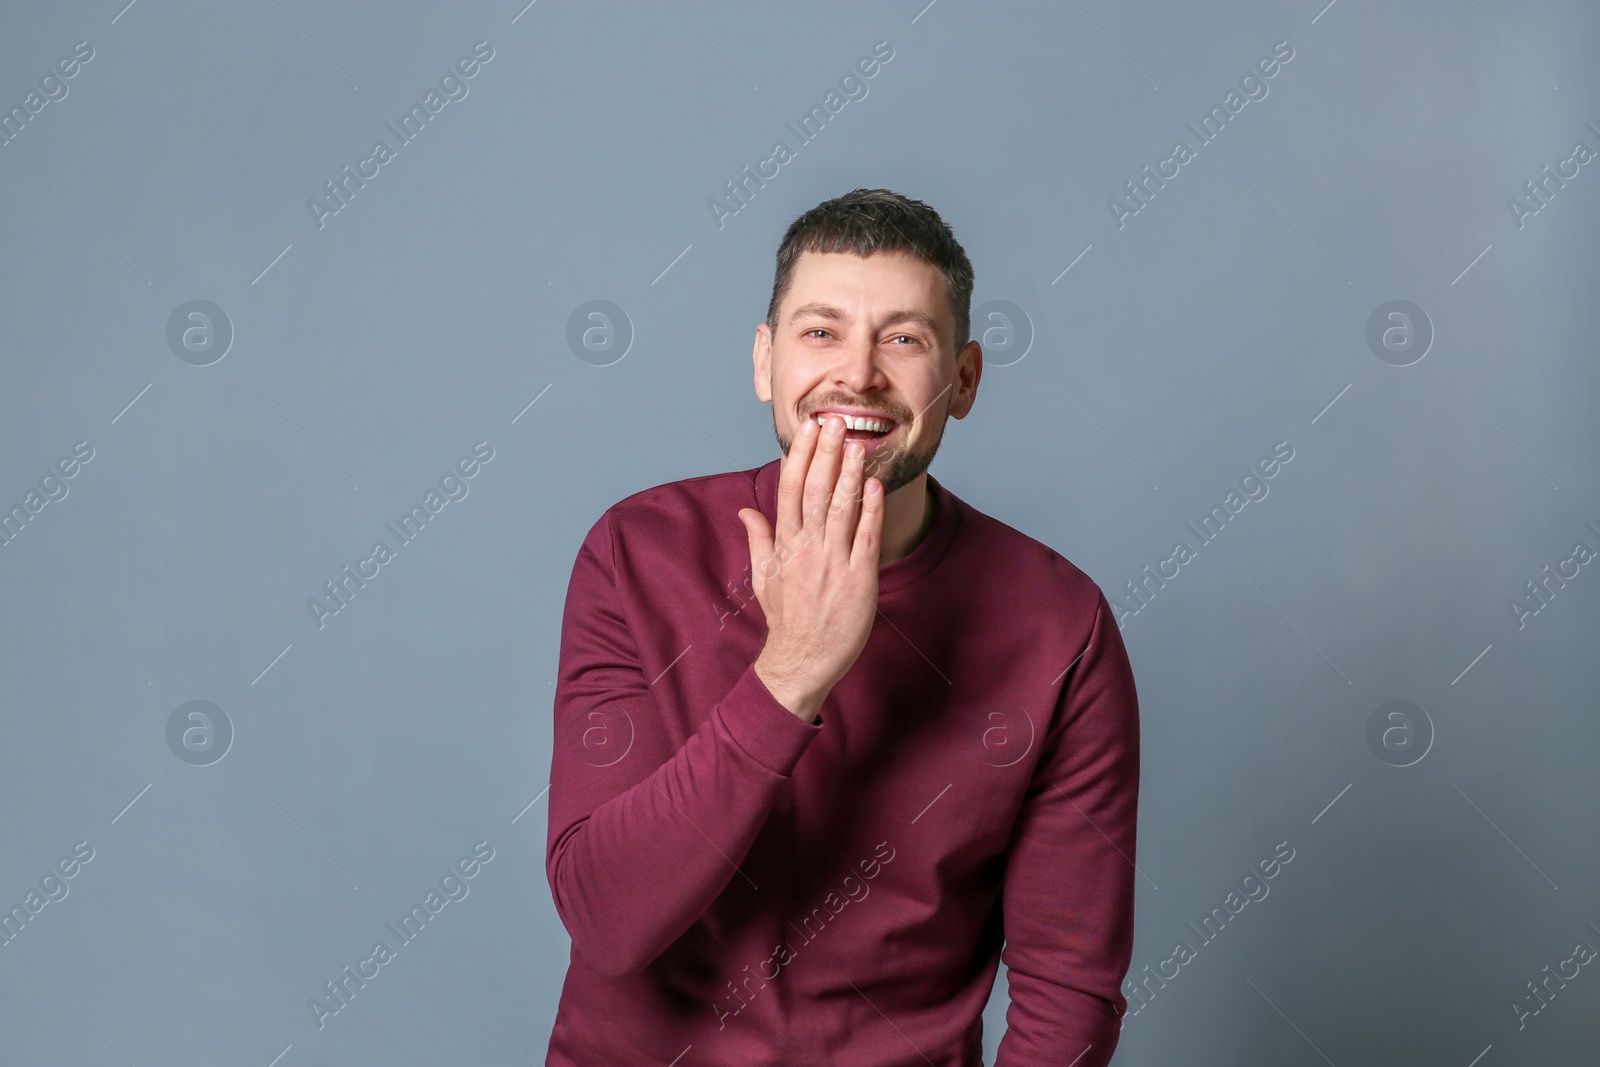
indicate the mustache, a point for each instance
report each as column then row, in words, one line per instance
column 894, row 415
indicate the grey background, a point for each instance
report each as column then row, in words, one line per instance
column 369, row 355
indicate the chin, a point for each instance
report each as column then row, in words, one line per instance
column 896, row 468
column 899, row 469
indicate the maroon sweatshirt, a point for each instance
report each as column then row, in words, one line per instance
column 746, row 888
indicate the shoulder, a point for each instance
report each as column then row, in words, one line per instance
column 682, row 500
column 655, row 533
column 1040, row 571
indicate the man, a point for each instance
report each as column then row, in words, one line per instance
column 809, row 775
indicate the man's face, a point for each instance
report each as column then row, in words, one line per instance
column 868, row 336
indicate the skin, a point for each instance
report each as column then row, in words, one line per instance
column 841, row 516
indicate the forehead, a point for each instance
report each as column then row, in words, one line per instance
column 867, row 286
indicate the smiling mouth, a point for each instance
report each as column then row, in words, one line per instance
column 861, row 427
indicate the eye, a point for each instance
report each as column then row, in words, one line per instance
column 907, row 336
column 814, row 329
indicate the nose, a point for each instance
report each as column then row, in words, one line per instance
column 858, row 369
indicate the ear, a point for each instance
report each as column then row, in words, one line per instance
column 761, row 357
column 969, row 369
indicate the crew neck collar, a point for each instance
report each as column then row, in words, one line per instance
column 905, row 570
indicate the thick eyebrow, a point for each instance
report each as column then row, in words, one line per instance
column 828, row 311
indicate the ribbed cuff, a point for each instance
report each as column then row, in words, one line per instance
column 773, row 735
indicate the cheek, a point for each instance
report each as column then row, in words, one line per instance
column 796, row 424
column 922, row 411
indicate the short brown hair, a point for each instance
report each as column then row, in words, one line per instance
column 864, row 221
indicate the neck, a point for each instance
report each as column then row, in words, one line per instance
column 908, row 514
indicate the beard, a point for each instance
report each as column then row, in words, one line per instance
column 896, row 466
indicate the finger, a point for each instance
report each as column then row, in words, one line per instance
column 868, row 547
column 759, row 535
column 792, row 477
column 823, row 474
column 763, row 561
column 843, row 511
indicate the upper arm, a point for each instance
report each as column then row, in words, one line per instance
column 1069, row 883
column 607, row 730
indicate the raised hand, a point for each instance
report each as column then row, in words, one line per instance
column 816, row 576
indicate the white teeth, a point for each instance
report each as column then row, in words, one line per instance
column 859, row 422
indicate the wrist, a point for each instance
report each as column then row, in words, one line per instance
column 802, row 700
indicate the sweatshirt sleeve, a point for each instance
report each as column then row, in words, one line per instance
column 1067, row 898
column 642, row 837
